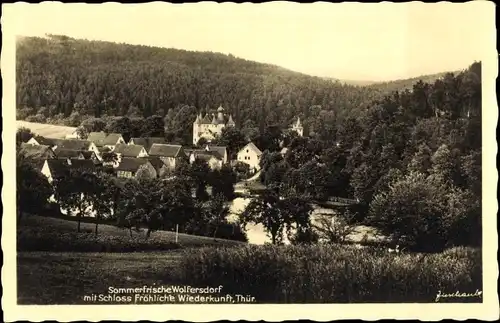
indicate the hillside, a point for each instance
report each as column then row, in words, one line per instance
column 37, row 233
column 61, row 80
column 395, row 85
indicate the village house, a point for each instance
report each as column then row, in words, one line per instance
column 250, row 155
column 131, row 151
column 169, row 154
column 161, row 168
column 39, row 140
column 88, row 148
column 221, row 152
column 147, row 142
column 212, row 158
column 129, row 168
column 69, row 154
column 102, row 139
column 53, row 168
column 36, row 151
column 208, row 128
column 57, row 167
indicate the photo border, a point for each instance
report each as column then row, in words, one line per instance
column 488, row 310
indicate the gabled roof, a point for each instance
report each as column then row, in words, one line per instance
column 96, row 137
column 68, row 153
column 165, row 150
column 131, row 164
column 36, row 151
column 102, row 138
column 128, row 150
column 73, row 144
column 251, row 146
column 88, row 154
column 112, row 138
column 147, row 142
column 156, row 162
column 221, row 150
column 59, row 167
column 47, row 141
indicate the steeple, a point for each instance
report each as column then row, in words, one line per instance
column 214, row 121
column 298, row 124
column 230, row 121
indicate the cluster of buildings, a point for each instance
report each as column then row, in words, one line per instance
column 152, row 155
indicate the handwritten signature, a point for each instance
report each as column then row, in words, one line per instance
column 457, row 294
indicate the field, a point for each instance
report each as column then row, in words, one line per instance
column 47, row 130
column 64, row 278
column 35, row 233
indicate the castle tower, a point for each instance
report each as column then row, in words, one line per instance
column 230, row 121
column 220, row 114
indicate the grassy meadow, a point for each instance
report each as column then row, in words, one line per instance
column 80, row 264
column 36, row 233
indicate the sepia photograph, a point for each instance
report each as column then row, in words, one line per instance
column 249, row 154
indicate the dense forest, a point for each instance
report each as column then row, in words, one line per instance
column 413, row 160
column 61, row 80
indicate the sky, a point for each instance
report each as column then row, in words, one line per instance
column 349, row 41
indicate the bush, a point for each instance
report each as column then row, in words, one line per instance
column 332, row 274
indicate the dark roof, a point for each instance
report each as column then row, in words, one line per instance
column 128, row 150
column 131, row 164
column 156, row 162
column 46, row 141
column 165, row 150
column 36, row 151
column 147, row 142
column 206, row 155
column 111, row 139
column 37, row 163
column 73, row 144
column 68, row 153
column 60, row 166
column 102, row 138
column 221, row 150
column 88, row 154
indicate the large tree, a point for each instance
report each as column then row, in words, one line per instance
column 33, row 190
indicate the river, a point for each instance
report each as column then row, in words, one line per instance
column 257, row 235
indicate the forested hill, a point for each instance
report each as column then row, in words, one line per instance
column 64, row 80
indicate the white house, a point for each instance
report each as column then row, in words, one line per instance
column 129, row 151
column 212, row 158
column 109, row 140
column 56, row 167
column 250, row 155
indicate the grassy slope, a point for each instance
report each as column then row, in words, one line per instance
column 37, row 233
column 64, row 278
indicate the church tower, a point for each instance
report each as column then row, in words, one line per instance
column 297, row 127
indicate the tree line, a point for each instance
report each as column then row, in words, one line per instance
column 141, row 202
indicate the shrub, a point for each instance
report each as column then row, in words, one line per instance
column 332, row 274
